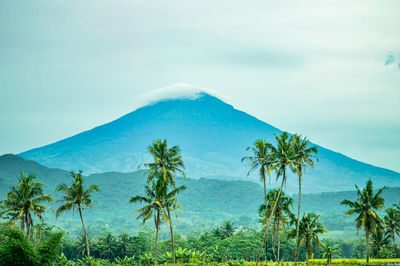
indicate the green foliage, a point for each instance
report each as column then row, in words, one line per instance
column 146, row 259
column 329, row 251
column 16, row 249
column 309, row 229
column 125, row 260
column 186, row 256
column 379, row 240
column 50, row 249
column 366, row 207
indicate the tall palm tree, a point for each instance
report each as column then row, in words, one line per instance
column 280, row 216
column 24, row 201
column 282, row 156
column 166, row 161
column 171, row 205
column 365, row 207
column 260, row 158
column 392, row 223
column 304, row 155
column 329, row 250
column 154, row 207
column 310, row 227
column 77, row 197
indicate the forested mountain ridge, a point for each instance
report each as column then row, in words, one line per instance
column 207, row 202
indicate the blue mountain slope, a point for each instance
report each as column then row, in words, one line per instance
column 213, row 137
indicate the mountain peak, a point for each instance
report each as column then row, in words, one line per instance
column 176, row 91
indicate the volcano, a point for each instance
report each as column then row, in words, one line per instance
column 212, row 135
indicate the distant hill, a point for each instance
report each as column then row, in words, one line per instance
column 207, row 202
column 213, row 136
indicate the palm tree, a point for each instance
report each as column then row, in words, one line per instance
column 260, row 158
column 379, row 240
column 227, row 229
column 154, row 207
column 304, row 157
column 124, row 241
column 309, row 229
column 282, row 156
column 171, row 205
column 392, row 222
column 107, row 245
column 365, row 207
column 167, row 161
column 76, row 197
column 24, row 201
column 81, row 245
column 281, row 214
column 328, row 251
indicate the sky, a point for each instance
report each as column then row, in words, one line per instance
column 329, row 70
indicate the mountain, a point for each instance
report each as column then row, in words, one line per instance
column 207, row 202
column 212, row 134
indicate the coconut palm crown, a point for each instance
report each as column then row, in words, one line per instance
column 25, row 201
column 365, row 207
column 166, row 161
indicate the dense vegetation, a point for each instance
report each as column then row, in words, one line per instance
column 286, row 233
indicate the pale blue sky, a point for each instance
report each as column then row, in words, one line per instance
column 326, row 69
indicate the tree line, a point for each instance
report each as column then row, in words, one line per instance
column 160, row 203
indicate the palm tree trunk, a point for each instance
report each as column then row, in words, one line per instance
column 156, row 243
column 307, row 250
column 394, row 248
column 266, row 204
column 273, row 240
column 367, row 239
column 268, row 218
column 22, row 223
column 298, row 220
column 27, row 225
column 172, row 235
column 307, row 244
column 30, row 223
column 265, row 194
column 266, row 251
column 86, row 236
column 279, row 240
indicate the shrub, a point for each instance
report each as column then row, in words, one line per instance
column 16, row 249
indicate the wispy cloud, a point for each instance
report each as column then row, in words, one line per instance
column 393, row 61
